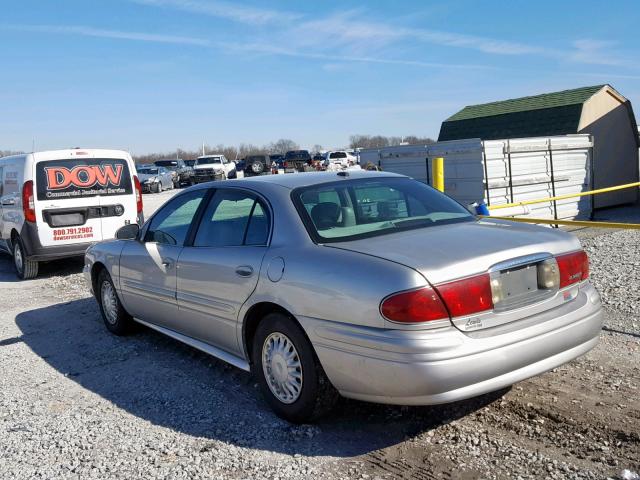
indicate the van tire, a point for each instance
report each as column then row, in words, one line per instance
column 115, row 317
column 25, row 269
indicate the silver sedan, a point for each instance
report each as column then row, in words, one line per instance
column 365, row 284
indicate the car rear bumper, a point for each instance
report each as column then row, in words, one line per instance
column 423, row 367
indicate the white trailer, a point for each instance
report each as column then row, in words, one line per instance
column 503, row 171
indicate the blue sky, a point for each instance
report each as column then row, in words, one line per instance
column 153, row 75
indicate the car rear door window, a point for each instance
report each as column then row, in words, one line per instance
column 233, row 218
column 171, row 224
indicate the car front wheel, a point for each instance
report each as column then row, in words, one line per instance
column 115, row 317
column 289, row 372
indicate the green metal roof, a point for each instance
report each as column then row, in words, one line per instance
column 524, row 104
column 555, row 113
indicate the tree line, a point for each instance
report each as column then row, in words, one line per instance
column 281, row 146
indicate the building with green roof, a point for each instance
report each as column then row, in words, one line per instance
column 597, row 110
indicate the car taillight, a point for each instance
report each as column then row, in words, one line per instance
column 467, row 296
column 422, row 305
column 574, row 267
column 138, row 194
column 285, row 164
column 28, row 205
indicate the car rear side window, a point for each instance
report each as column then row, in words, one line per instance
column 171, row 224
column 233, row 218
column 82, row 177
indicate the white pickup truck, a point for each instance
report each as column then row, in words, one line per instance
column 213, row 167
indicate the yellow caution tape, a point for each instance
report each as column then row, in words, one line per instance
column 576, row 223
column 568, row 195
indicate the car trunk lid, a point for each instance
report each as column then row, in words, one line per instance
column 510, row 253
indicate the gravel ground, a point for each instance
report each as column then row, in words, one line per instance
column 76, row 402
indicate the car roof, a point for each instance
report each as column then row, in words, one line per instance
column 295, row 180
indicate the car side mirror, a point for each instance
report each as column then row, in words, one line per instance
column 128, row 232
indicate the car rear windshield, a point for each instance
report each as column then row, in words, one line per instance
column 360, row 208
column 338, row 155
column 79, row 178
column 208, row 160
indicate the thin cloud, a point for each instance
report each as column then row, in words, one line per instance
column 277, row 50
column 221, row 9
column 115, row 34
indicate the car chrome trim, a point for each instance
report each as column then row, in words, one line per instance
column 202, row 346
column 202, row 304
column 519, row 261
column 147, row 290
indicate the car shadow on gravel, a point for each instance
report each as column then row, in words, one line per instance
column 169, row 384
column 54, row 268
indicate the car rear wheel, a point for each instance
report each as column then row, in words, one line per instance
column 25, row 268
column 115, row 317
column 289, row 372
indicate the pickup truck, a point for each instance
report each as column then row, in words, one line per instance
column 182, row 173
column 213, row 167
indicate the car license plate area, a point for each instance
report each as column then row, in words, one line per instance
column 517, row 286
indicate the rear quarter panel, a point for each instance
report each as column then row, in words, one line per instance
column 330, row 284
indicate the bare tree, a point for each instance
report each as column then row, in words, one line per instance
column 380, row 141
column 282, row 146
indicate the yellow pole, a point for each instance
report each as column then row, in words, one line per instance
column 437, row 166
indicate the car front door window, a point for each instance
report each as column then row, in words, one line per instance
column 171, row 224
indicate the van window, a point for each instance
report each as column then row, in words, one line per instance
column 80, row 178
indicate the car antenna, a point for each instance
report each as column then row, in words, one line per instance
column 343, row 174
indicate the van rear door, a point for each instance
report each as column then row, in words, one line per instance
column 76, row 197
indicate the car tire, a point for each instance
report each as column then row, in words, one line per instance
column 257, row 167
column 115, row 317
column 156, row 187
column 25, row 269
column 303, row 396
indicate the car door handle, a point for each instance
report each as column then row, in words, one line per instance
column 167, row 263
column 244, row 270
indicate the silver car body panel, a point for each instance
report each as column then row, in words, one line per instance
column 335, row 290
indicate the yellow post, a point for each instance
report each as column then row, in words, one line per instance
column 437, row 165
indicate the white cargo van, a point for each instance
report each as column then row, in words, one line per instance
column 55, row 204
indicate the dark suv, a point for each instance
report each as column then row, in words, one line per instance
column 297, row 159
column 182, row 173
column 257, row 165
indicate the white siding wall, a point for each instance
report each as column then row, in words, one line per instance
column 530, row 170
